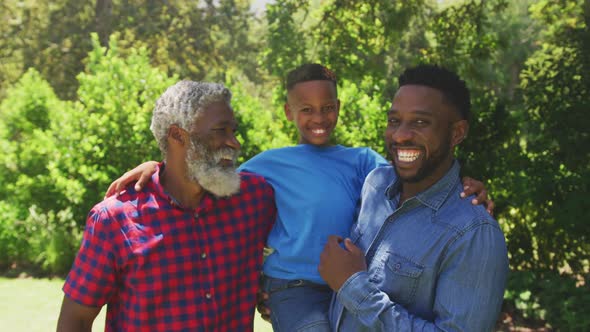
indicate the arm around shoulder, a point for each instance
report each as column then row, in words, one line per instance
column 75, row 317
column 142, row 173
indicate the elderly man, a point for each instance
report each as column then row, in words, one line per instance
column 183, row 253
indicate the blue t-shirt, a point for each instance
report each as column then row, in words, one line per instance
column 317, row 191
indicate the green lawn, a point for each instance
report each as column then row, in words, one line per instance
column 32, row 305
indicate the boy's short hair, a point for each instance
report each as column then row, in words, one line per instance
column 453, row 88
column 310, row 72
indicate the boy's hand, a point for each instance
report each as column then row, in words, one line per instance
column 142, row 173
column 261, row 298
column 471, row 187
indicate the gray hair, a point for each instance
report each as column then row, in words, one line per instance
column 181, row 104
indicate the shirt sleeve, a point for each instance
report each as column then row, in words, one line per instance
column 251, row 165
column 372, row 161
column 469, row 289
column 91, row 280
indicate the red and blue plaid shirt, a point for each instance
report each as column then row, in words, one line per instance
column 160, row 267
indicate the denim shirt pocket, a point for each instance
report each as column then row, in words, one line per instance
column 401, row 279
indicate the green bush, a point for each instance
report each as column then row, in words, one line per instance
column 13, row 244
column 60, row 156
column 55, row 241
column 560, row 300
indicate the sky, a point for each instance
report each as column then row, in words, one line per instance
column 258, row 5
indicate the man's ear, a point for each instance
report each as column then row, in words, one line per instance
column 177, row 135
column 288, row 112
column 459, row 132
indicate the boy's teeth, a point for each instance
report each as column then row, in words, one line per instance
column 407, row 156
column 318, row 131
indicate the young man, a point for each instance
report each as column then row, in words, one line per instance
column 182, row 254
column 317, row 189
column 419, row 257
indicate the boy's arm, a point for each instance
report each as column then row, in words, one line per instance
column 142, row 173
column 475, row 187
column 75, row 317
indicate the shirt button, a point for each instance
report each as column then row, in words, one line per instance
column 196, row 215
column 208, row 296
column 204, row 255
column 398, row 266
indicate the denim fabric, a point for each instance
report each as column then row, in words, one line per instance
column 435, row 262
column 297, row 305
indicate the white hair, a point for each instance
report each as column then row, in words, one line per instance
column 181, row 104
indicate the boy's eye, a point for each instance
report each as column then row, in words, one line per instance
column 329, row 108
column 305, row 110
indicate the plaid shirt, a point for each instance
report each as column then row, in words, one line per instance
column 160, row 267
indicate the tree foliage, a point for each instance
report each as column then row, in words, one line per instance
column 556, row 93
column 64, row 154
column 75, row 109
column 191, row 39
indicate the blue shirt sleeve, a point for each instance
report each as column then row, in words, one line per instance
column 469, row 290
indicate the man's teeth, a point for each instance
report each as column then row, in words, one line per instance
column 407, row 156
column 318, row 131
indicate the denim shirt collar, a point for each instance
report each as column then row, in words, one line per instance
column 435, row 195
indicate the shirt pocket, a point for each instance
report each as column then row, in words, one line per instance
column 401, row 278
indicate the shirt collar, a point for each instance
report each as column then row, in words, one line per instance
column 157, row 185
column 436, row 194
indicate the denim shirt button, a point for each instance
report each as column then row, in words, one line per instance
column 398, row 266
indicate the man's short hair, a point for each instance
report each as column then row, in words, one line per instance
column 182, row 104
column 453, row 88
column 310, row 72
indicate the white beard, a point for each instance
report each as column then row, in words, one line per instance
column 203, row 168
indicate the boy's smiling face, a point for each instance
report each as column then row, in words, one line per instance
column 313, row 106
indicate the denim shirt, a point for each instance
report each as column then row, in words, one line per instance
column 435, row 262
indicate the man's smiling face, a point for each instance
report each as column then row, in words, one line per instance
column 214, row 150
column 421, row 133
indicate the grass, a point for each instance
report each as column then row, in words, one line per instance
column 32, row 305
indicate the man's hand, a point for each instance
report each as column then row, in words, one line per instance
column 472, row 186
column 261, row 298
column 337, row 264
column 142, row 173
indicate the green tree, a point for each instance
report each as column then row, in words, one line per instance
column 192, row 40
column 556, row 91
column 63, row 154
column 359, row 40
column 108, row 130
column 50, row 36
column 30, row 232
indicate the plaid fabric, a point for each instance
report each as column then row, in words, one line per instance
column 159, row 267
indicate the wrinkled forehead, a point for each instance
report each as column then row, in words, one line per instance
column 215, row 113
